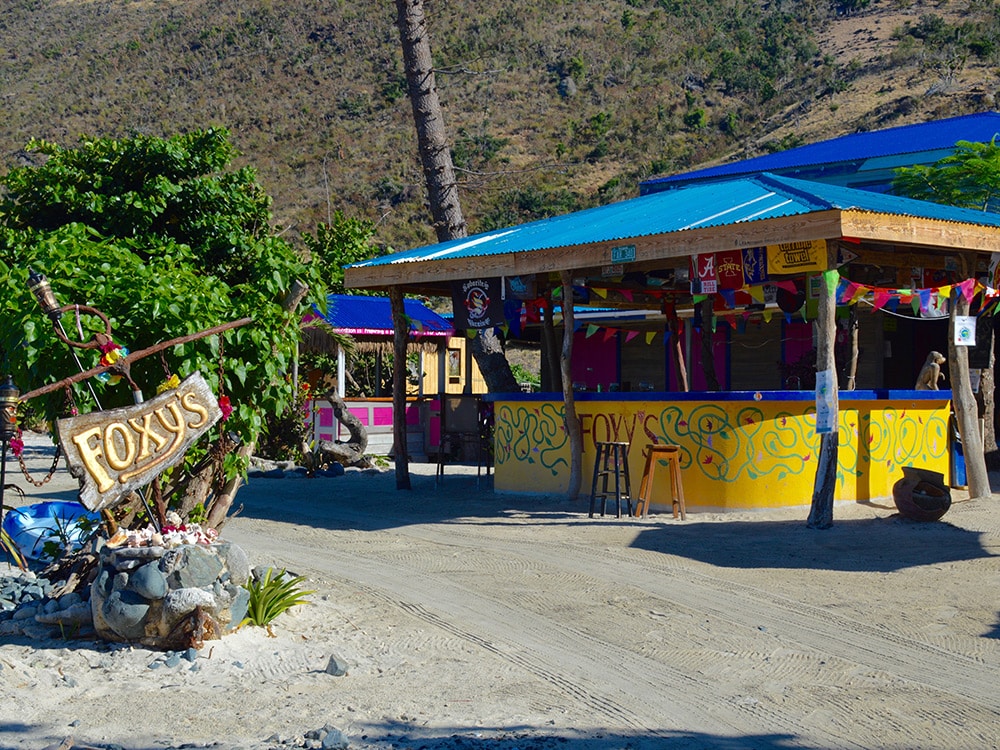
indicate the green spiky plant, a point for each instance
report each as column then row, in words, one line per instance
column 271, row 595
column 7, row 544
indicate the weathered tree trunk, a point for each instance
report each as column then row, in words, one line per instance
column 401, row 330
column 964, row 404
column 573, row 430
column 821, row 512
column 488, row 350
column 707, row 351
column 986, row 405
column 223, row 500
column 439, row 172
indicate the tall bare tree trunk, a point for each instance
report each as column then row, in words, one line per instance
column 821, row 511
column 573, row 430
column 401, row 330
column 439, row 172
column 964, row 404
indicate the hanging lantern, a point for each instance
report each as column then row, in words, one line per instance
column 39, row 286
column 9, row 399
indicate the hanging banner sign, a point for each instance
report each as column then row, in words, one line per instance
column 477, row 303
column 729, row 269
column 120, row 450
column 754, row 265
column 965, row 330
column 796, row 257
column 703, row 278
column 521, row 287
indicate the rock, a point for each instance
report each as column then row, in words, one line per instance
column 335, row 740
column 336, row 666
column 74, row 616
column 124, row 612
column 175, row 599
column 149, row 582
column 180, row 602
column 237, row 562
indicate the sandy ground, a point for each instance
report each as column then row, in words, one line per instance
column 486, row 622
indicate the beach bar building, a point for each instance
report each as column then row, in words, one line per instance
column 443, row 365
column 746, row 285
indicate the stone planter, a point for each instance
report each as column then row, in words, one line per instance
column 169, row 598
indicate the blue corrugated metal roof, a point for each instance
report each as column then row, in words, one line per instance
column 906, row 139
column 733, row 201
column 372, row 316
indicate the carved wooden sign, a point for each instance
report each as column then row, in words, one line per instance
column 119, row 450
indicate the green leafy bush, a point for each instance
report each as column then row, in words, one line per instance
column 272, row 595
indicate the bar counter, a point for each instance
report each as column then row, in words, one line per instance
column 740, row 450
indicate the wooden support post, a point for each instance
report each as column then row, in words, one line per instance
column 569, row 403
column 964, row 403
column 401, row 330
column 821, row 512
column 707, row 350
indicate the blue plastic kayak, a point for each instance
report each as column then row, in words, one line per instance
column 66, row 524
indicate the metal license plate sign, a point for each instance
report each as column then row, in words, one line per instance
column 623, row 254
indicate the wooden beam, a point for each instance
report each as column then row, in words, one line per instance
column 648, row 249
column 945, row 235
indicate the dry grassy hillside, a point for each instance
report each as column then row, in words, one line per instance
column 552, row 104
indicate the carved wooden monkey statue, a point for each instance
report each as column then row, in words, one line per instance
column 930, row 373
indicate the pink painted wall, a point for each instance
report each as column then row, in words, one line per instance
column 595, row 361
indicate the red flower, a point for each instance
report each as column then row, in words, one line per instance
column 17, row 446
column 226, row 407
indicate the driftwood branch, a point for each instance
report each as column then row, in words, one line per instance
column 351, row 453
column 132, row 357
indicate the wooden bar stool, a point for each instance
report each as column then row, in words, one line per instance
column 611, row 460
column 672, row 455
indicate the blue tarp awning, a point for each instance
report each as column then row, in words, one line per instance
column 356, row 315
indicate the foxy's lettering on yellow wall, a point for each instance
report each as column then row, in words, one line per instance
column 118, row 450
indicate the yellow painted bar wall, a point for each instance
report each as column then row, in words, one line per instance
column 735, row 455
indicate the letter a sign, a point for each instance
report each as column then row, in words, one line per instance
column 119, row 450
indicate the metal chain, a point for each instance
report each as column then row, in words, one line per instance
column 48, row 476
column 71, row 402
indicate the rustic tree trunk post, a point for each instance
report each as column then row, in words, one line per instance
column 986, row 404
column 821, row 512
column 223, row 500
column 569, row 402
column 439, row 172
column 964, row 404
column 401, row 330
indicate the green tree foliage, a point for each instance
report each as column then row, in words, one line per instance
column 341, row 242
column 156, row 234
column 969, row 177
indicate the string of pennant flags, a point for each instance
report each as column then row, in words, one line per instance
column 924, row 302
